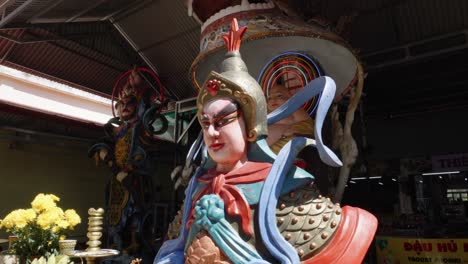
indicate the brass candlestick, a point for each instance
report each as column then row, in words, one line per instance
column 93, row 251
column 94, row 228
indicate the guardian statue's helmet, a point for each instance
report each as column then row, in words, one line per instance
column 235, row 82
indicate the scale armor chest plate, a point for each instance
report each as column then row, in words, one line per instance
column 307, row 220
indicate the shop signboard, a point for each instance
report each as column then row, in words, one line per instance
column 453, row 162
column 397, row 250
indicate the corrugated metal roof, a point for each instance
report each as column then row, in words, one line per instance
column 381, row 24
column 176, row 55
column 164, row 33
column 169, row 38
column 53, row 11
column 91, row 55
column 98, row 36
column 30, row 10
column 5, row 45
column 421, row 19
column 54, row 60
column 95, row 54
column 93, row 58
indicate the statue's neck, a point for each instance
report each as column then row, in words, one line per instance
column 227, row 167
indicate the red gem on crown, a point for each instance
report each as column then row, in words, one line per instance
column 213, row 86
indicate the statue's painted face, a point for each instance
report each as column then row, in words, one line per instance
column 127, row 108
column 224, row 133
column 277, row 95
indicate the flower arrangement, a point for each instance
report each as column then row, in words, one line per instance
column 39, row 229
column 52, row 260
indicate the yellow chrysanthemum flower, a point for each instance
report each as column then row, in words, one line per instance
column 50, row 217
column 9, row 221
column 54, row 197
column 18, row 218
column 23, row 217
column 63, row 224
column 43, row 222
column 44, row 202
column 29, row 215
column 72, row 217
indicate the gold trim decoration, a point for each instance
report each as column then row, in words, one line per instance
column 118, row 199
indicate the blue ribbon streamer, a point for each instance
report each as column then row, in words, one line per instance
column 327, row 86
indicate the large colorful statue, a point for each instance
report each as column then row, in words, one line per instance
column 247, row 205
column 297, row 124
column 289, row 42
column 125, row 149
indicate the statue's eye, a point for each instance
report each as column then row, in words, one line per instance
column 224, row 121
column 205, row 124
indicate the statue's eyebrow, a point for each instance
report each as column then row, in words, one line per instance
column 204, row 117
column 229, row 109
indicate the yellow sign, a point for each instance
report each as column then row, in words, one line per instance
column 396, row 250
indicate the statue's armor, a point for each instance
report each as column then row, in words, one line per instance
column 122, row 148
column 118, row 199
column 307, row 220
column 118, row 193
column 176, row 224
column 304, row 218
column 204, row 250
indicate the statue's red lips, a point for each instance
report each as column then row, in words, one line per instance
column 216, row 146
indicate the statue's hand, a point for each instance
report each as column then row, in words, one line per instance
column 103, row 154
column 208, row 211
column 100, row 152
column 121, row 176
